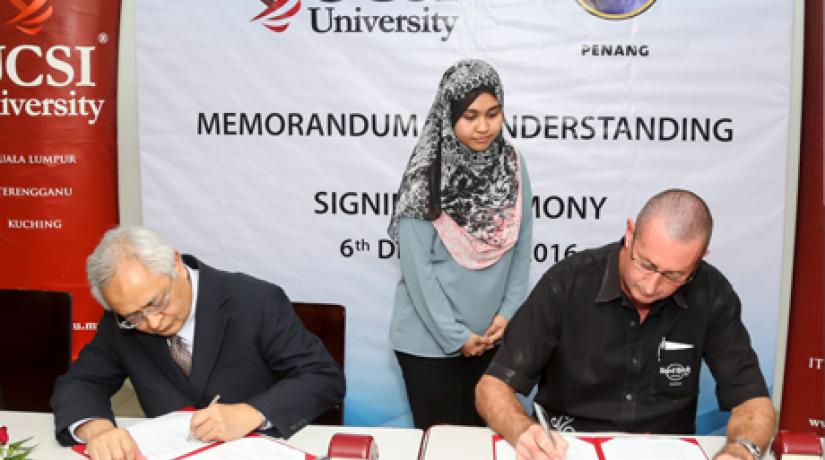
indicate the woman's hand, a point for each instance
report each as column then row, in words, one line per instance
column 476, row 345
column 495, row 331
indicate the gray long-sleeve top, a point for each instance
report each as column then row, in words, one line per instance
column 438, row 303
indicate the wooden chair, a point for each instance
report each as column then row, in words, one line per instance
column 328, row 322
column 35, row 343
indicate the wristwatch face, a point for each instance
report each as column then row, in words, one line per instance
column 751, row 446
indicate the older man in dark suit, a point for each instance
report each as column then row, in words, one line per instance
column 184, row 333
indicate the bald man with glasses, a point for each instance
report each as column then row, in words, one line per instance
column 189, row 335
column 615, row 338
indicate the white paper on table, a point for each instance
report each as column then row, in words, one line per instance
column 645, row 448
column 579, row 450
column 165, row 437
column 254, row 448
column 576, row 449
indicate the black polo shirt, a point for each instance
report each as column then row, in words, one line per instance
column 598, row 369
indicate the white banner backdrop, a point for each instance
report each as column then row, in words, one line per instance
column 273, row 135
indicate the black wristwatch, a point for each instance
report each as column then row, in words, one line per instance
column 750, row 446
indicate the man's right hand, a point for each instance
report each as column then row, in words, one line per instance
column 104, row 441
column 533, row 444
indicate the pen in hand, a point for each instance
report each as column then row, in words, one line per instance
column 542, row 416
column 190, row 437
column 214, row 400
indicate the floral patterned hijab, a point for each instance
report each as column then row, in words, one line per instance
column 473, row 198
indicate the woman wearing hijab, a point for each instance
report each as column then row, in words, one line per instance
column 464, row 229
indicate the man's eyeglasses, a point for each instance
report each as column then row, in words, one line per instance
column 133, row 320
column 646, row 266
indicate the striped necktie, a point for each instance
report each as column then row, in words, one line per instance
column 180, row 354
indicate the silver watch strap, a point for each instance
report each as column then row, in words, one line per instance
column 750, row 446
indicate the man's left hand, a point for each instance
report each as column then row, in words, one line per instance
column 733, row 452
column 722, row 456
column 224, row 422
column 754, row 420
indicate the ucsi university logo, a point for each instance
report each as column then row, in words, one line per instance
column 30, row 16
column 376, row 17
column 278, row 13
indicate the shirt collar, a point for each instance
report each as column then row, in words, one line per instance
column 611, row 287
column 187, row 331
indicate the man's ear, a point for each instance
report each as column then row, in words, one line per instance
column 628, row 232
column 178, row 261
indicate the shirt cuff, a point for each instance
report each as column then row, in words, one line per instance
column 510, row 377
column 265, row 423
column 74, row 426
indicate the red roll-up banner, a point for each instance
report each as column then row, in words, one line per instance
column 58, row 166
column 802, row 396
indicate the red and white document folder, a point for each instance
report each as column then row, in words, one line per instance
column 167, row 437
column 616, row 448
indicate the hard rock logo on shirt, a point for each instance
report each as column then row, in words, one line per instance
column 675, row 373
column 563, row 423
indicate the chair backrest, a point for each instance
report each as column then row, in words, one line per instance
column 36, row 346
column 329, row 323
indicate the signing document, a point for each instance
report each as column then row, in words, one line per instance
column 167, row 437
column 617, row 448
column 576, row 449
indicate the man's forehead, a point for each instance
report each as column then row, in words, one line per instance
column 668, row 253
column 132, row 285
column 132, row 270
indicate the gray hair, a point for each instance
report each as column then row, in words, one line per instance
column 685, row 214
column 120, row 243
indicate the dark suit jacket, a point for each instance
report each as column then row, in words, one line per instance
column 249, row 347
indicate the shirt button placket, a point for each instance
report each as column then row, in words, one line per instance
column 628, row 410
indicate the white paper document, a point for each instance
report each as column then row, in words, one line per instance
column 576, row 450
column 579, row 450
column 165, row 437
column 645, row 448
